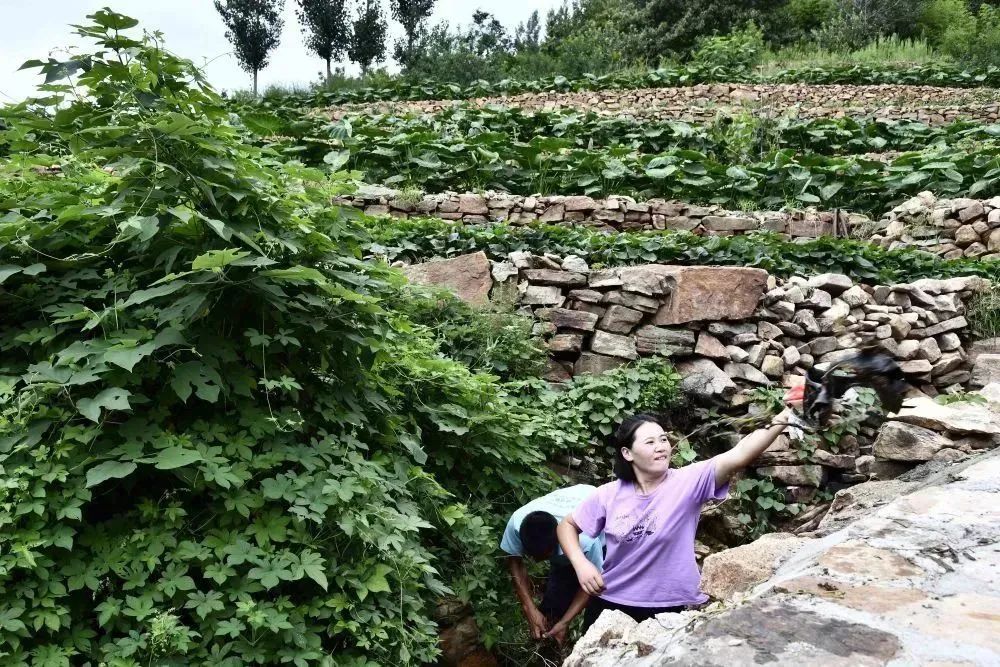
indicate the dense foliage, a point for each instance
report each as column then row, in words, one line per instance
column 735, row 136
column 421, row 238
column 219, row 446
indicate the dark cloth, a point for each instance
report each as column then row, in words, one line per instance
column 561, row 587
column 638, row 614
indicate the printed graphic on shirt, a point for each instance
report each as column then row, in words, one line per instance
column 629, row 529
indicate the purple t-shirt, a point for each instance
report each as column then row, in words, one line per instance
column 650, row 539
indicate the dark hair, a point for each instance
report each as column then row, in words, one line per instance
column 538, row 534
column 623, row 436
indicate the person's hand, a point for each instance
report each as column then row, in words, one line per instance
column 590, row 579
column 558, row 632
column 537, row 622
column 796, row 393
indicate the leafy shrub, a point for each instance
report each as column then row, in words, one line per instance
column 219, row 446
column 975, row 41
column 739, row 51
column 484, row 339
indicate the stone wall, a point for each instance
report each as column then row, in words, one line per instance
column 704, row 102
column 730, row 330
column 949, row 228
column 611, row 213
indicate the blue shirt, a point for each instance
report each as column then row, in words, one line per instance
column 558, row 503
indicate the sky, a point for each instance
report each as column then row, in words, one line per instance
column 193, row 30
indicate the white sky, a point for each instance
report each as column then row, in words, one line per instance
column 193, row 29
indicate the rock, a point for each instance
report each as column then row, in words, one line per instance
column 733, row 572
column 658, row 340
column 948, row 362
column 820, row 346
column 573, row 319
column 819, row 300
column 554, row 213
column 557, row 371
column 949, row 342
column 595, row 364
column 586, row 295
column 915, row 367
column 985, row 370
column 807, row 321
column 728, row 330
column 555, row 277
column 965, row 235
column 710, row 346
column 619, row 319
column 565, row 344
column 791, row 356
column 961, row 418
column 972, row 212
column 803, row 475
column 699, row 293
column 832, row 283
column 900, row 441
column 830, row 460
column 953, row 324
column 937, row 286
column 468, row 276
column 729, row 224
column 856, row 296
column 613, row 345
column 768, row 331
column 737, row 354
column 703, row 379
column 502, row 271
column 646, row 304
column 644, row 280
column 459, row 642
column 579, row 203
column 773, row 366
column 791, row 329
column 929, row 350
column 472, row 204
column 538, row 295
column 746, row 372
column 575, row 264
column 900, row 327
column 755, row 355
column 604, row 278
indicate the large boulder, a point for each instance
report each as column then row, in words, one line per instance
column 700, row 293
column 964, row 418
column 732, row 572
column 900, row 441
column 467, row 276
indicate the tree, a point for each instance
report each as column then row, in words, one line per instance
column 324, row 23
column 367, row 44
column 411, row 14
column 673, row 27
column 527, row 35
column 254, row 29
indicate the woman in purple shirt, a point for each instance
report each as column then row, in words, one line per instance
column 649, row 516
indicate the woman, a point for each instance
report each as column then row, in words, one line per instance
column 649, row 516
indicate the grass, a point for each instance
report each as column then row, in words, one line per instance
column 883, row 51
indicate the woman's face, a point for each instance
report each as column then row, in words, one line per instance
column 650, row 450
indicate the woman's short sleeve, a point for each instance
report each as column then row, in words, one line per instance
column 704, row 483
column 591, row 513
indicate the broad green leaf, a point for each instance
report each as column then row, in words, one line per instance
column 377, row 582
column 216, row 260
column 109, row 470
column 176, row 457
column 110, row 399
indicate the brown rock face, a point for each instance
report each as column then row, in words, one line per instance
column 467, row 276
column 699, row 293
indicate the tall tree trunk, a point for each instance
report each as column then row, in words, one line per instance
column 255, row 83
column 328, row 75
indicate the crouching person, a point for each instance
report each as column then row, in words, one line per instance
column 531, row 533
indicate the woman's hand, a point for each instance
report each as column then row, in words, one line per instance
column 590, row 578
